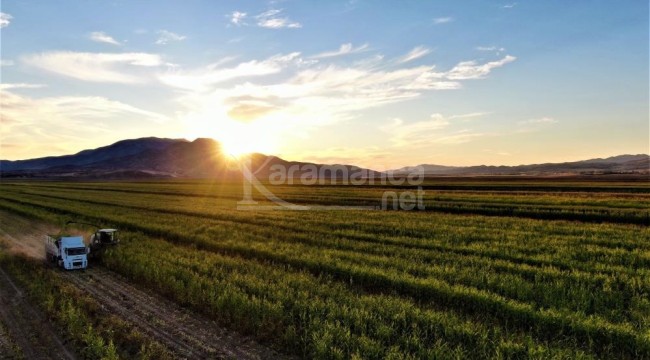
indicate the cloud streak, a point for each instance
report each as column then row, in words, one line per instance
column 442, row 20
column 165, row 37
column 99, row 36
column 415, row 53
column 473, row 70
column 345, row 49
column 543, row 120
column 96, row 67
column 272, row 19
column 202, row 79
column 9, row 86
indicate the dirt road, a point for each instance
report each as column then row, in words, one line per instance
column 26, row 333
column 187, row 334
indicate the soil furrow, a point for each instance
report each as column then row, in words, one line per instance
column 27, row 327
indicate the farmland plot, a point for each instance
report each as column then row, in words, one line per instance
column 486, row 271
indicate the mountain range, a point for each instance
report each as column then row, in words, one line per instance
column 155, row 158
column 204, row 158
column 622, row 164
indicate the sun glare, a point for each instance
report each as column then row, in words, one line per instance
column 236, row 138
column 243, row 139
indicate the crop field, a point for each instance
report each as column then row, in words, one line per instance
column 489, row 269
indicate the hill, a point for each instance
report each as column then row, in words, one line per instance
column 204, row 158
column 622, row 164
column 160, row 158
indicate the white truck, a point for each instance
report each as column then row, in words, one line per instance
column 68, row 252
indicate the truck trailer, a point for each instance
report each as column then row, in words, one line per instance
column 68, row 252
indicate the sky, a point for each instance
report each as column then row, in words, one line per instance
column 380, row 84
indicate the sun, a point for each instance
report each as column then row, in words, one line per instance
column 237, row 147
column 236, row 138
column 241, row 139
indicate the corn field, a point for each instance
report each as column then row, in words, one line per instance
column 518, row 269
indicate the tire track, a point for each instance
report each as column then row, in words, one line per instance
column 187, row 334
column 29, row 328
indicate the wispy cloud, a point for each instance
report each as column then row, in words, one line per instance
column 495, row 49
column 99, row 36
column 490, row 48
column 5, row 62
column 543, row 120
column 33, row 123
column 96, row 67
column 460, row 137
column 472, row 70
column 301, row 96
column 202, row 79
column 272, row 19
column 509, row 6
column 416, row 53
column 497, row 152
column 345, row 49
column 428, row 132
column 5, row 19
column 442, row 20
column 237, row 18
column 416, row 133
column 8, row 86
column 469, row 116
column 533, row 125
column 166, row 36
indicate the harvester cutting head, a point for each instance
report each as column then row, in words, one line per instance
column 101, row 237
column 104, row 237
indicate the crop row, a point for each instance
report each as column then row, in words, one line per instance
column 617, row 246
column 539, row 207
column 94, row 333
column 580, row 285
column 388, row 276
column 314, row 317
column 222, row 209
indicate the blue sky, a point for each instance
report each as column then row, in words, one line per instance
column 375, row 83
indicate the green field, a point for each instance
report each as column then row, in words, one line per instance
column 490, row 269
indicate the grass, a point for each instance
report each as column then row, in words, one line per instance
column 489, row 270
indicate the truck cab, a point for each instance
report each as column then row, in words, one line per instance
column 68, row 252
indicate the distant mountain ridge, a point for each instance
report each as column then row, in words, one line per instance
column 87, row 157
column 204, row 158
column 155, row 158
column 621, row 164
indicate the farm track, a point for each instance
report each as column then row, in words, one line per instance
column 187, row 334
column 27, row 327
